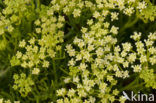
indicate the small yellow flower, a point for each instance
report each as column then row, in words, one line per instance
column 46, row 64
column 16, row 101
column 96, row 14
column 32, row 41
column 38, row 30
column 10, row 28
column 22, row 43
column 1, row 100
column 35, row 71
column 18, row 54
column 114, row 30
column 37, row 22
column 76, row 12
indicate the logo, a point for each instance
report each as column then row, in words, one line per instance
column 138, row 97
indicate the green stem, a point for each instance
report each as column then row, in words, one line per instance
column 38, row 4
column 30, row 98
column 130, row 85
column 129, row 24
column 64, row 71
column 139, row 85
column 37, row 99
column 54, row 69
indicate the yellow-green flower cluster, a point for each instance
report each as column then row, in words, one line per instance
column 36, row 53
column 12, row 14
column 92, row 66
column 7, row 101
column 23, row 84
column 5, row 25
column 149, row 13
column 68, row 7
column 38, row 50
column 16, row 6
column 144, row 54
column 97, row 61
column 48, row 23
column 33, row 56
column 148, row 76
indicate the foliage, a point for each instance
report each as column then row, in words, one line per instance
column 76, row 51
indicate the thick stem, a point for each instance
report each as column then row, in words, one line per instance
column 37, row 99
column 38, row 4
